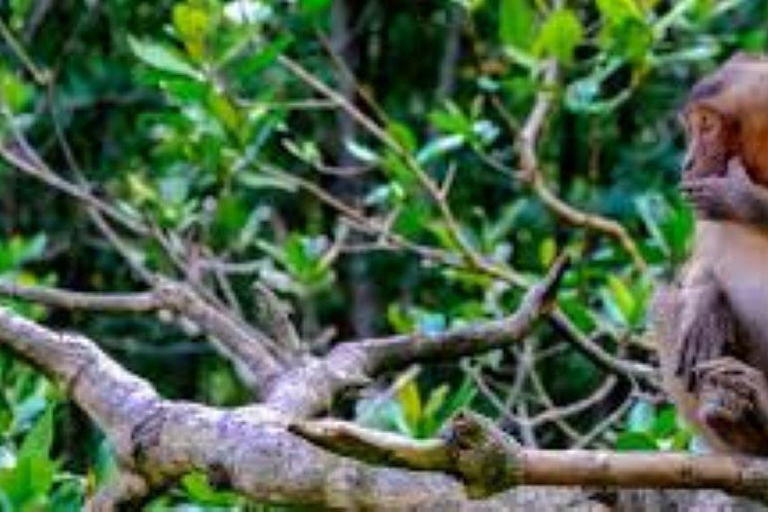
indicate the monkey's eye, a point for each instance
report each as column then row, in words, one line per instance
column 708, row 122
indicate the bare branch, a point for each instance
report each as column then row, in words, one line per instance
column 488, row 461
column 248, row 349
column 120, row 302
column 531, row 172
column 310, row 389
column 272, row 316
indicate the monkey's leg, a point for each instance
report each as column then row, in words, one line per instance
column 733, row 402
column 707, row 328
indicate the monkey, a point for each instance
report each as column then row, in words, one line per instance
column 713, row 328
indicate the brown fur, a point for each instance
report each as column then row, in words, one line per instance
column 713, row 327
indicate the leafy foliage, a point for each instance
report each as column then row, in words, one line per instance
column 366, row 209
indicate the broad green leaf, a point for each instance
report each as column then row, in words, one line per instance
column 635, row 442
column 517, row 23
column 162, row 57
column 560, row 35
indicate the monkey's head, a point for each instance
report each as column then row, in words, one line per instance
column 726, row 116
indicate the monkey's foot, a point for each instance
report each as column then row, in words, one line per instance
column 733, row 398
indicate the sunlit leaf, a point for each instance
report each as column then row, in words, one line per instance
column 623, row 297
column 410, row 400
column 560, row 35
column 438, row 147
column 641, row 417
column 362, row 153
column 517, row 23
column 162, row 57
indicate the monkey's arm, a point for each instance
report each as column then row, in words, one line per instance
column 707, row 325
column 733, row 197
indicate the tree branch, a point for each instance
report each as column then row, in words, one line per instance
column 531, row 172
column 256, row 357
column 310, row 389
column 247, row 449
column 488, row 461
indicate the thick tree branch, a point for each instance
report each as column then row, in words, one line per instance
column 487, row 461
column 254, row 450
column 248, row 450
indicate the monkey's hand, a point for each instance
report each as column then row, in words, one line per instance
column 733, row 196
column 733, row 401
column 707, row 328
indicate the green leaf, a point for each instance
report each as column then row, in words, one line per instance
column 623, row 298
column 225, row 112
column 665, row 423
column 259, row 181
column 162, row 57
column 410, row 400
column 191, row 22
column 314, row 6
column 263, row 58
column 186, row 90
column 438, row 147
column 403, row 135
column 641, row 417
column 28, row 482
column 625, row 31
column 452, row 120
column 14, row 91
column 617, row 11
column 635, row 441
column 197, row 487
column 37, row 443
column 561, row 34
column 517, row 23
column 547, row 251
column 362, row 153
